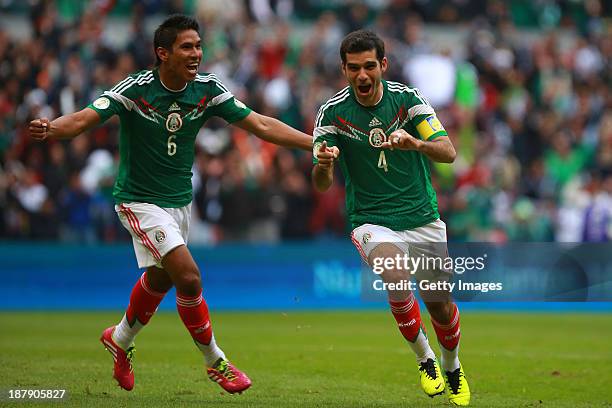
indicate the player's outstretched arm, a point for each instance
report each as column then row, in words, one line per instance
column 439, row 150
column 323, row 171
column 274, row 131
column 64, row 127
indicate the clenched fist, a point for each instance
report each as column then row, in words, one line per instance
column 402, row 140
column 39, row 128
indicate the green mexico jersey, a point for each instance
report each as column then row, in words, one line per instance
column 385, row 187
column 158, row 131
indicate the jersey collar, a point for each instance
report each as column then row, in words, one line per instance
column 156, row 74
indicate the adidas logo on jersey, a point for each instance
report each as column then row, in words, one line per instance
column 375, row 122
column 174, row 107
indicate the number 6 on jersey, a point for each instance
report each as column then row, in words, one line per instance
column 172, row 145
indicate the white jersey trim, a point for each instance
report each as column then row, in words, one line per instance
column 219, row 99
column 211, row 78
column 142, row 79
column 336, row 99
column 125, row 101
column 130, row 105
column 399, row 88
column 424, row 108
column 324, row 130
column 420, row 110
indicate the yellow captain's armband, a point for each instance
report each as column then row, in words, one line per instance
column 429, row 127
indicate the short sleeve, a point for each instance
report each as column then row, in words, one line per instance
column 223, row 103
column 324, row 130
column 107, row 106
column 423, row 117
column 232, row 110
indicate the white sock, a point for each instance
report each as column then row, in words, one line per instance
column 421, row 348
column 124, row 334
column 449, row 359
column 407, row 315
column 211, row 352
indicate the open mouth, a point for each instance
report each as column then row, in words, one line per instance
column 193, row 68
column 364, row 89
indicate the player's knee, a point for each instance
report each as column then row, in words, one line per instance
column 158, row 280
column 160, row 285
column 440, row 311
column 189, row 283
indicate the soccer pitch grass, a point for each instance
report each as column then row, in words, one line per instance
column 297, row 359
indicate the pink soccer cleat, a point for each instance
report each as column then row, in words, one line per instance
column 123, row 371
column 228, row 377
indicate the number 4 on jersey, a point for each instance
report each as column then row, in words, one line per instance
column 382, row 161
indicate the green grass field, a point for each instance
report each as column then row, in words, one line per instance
column 340, row 359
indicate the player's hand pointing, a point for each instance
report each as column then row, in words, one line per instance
column 400, row 139
column 327, row 155
column 39, row 128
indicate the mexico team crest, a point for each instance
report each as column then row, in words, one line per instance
column 377, row 137
column 160, row 236
column 366, row 238
column 174, row 122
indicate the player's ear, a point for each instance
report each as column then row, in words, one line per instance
column 162, row 53
column 384, row 64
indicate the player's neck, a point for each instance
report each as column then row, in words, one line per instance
column 169, row 81
column 375, row 99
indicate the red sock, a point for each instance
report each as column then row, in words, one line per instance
column 194, row 314
column 449, row 334
column 143, row 302
column 408, row 317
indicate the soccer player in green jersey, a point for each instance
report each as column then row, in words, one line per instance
column 383, row 135
column 161, row 111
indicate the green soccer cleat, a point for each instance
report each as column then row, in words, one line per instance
column 458, row 388
column 431, row 377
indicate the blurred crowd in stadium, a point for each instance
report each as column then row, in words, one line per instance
column 525, row 95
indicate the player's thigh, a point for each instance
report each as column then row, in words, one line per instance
column 379, row 246
column 367, row 237
column 154, row 232
column 428, row 245
column 435, row 231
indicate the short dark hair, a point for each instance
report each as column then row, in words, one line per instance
column 166, row 33
column 360, row 41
